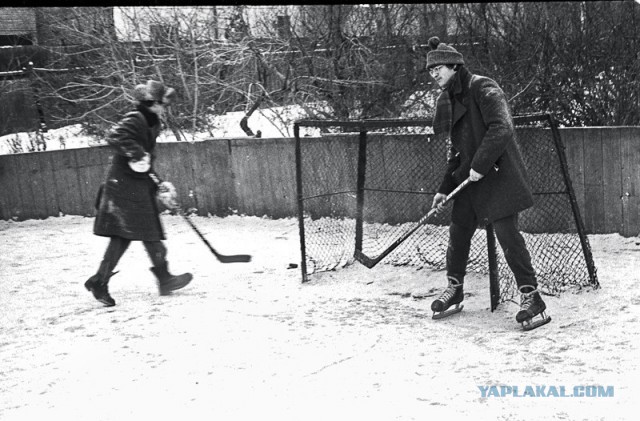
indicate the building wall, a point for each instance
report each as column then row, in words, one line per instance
column 18, row 21
column 134, row 23
column 64, row 26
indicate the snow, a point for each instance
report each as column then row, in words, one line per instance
column 68, row 137
column 276, row 122
column 249, row 341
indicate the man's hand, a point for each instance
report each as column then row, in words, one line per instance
column 474, row 175
column 438, row 199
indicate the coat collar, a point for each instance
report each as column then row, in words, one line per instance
column 152, row 118
column 460, row 82
column 458, row 90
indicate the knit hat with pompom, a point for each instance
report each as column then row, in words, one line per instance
column 442, row 53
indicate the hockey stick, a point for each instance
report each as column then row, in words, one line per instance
column 235, row 258
column 371, row 262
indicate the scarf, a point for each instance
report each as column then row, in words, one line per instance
column 152, row 118
column 443, row 116
column 443, row 119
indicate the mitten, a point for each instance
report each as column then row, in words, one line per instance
column 141, row 165
column 167, row 195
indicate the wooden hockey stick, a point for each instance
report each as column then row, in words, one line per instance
column 371, row 262
column 234, row 258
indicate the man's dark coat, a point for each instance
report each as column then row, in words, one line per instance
column 483, row 138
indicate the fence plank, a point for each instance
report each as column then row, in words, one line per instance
column 29, row 186
column 204, row 197
column 593, row 182
column 259, row 160
column 67, row 185
column 82, row 156
column 10, row 195
column 220, row 178
column 612, row 179
column 36, row 178
column 282, row 201
column 573, row 140
column 238, row 165
column 47, row 178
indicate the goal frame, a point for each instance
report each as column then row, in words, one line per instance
column 363, row 127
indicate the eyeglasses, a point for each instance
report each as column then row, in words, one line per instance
column 434, row 70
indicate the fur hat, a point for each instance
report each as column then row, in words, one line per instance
column 154, row 91
column 442, row 53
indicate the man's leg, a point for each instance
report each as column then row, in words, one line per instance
column 515, row 251
column 456, row 266
column 519, row 261
column 458, row 250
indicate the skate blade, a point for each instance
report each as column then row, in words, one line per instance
column 458, row 308
column 528, row 325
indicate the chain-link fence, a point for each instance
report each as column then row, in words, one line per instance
column 364, row 187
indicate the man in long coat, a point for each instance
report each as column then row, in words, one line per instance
column 472, row 116
column 126, row 203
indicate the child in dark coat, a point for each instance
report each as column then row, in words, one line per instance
column 126, row 204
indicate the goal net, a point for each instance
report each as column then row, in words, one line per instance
column 363, row 185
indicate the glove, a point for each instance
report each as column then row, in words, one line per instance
column 141, row 165
column 167, row 195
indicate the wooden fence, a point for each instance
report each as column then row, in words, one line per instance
column 257, row 177
column 604, row 165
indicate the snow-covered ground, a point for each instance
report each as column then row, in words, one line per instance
column 251, row 342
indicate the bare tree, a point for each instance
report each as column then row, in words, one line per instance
column 172, row 45
column 348, row 61
column 576, row 59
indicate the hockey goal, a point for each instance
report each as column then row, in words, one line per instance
column 363, row 185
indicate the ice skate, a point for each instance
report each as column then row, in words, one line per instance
column 168, row 282
column 531, row 306
column 100, row 290
column 453, row 295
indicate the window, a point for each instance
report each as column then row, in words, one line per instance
column 161, row 33
column 16, row 39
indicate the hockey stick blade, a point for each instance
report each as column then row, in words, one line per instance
column 235, row 258
column 365, row 260
column 370, row 262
